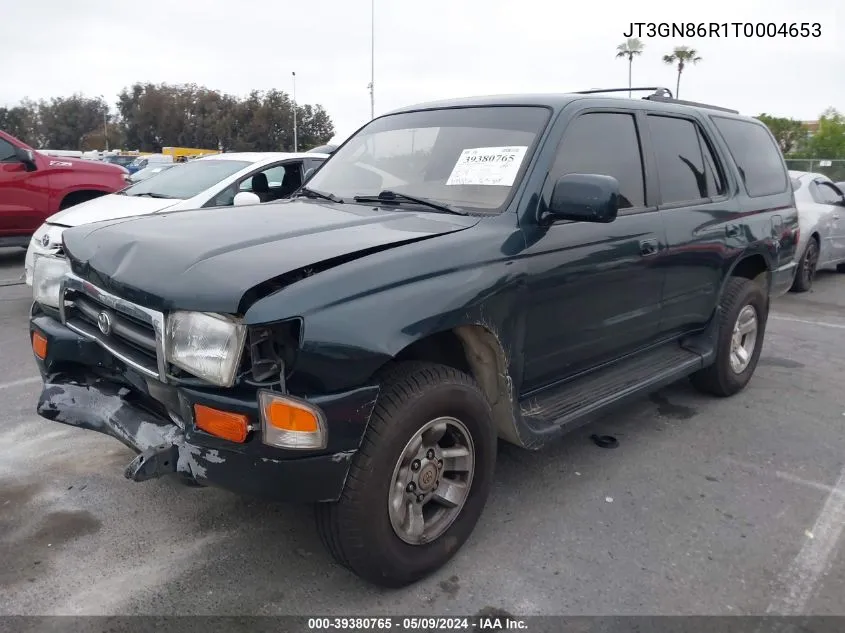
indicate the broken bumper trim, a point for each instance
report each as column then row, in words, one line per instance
column 163, row 449
column 86, row 387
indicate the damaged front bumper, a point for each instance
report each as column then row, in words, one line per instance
column 86, row 387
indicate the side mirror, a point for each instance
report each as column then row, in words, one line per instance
column 244, row 198
column 308, row 173
column 583, row 198
column 27, row 157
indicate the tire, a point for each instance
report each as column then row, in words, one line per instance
column 358, row 530
column 721, row 378
column 806, row 271
column 840, row 268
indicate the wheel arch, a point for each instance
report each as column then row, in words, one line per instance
column 752, row 265
column 478, row 350
column 79, row 196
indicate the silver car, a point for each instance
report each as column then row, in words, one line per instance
column 821, row 216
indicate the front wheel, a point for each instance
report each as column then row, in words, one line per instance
column 420, row 479
column 742, row 324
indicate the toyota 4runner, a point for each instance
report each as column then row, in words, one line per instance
column 457, row 272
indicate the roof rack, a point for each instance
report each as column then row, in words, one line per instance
column 661, row 95
column 662, row 99
column 655, row 89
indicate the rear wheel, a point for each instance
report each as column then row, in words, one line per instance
column 742, row 324
column 840, row 268
column 419, row 482
column 806, row 271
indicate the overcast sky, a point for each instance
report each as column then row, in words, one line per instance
column 424, row 50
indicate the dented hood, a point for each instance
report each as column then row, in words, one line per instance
column 207, row 259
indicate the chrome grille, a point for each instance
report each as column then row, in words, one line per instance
column 130, row 332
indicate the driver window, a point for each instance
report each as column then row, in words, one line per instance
column 272, row 183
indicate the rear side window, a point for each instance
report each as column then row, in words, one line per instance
column 604, row 143
column 826, row 193
column 7, row 151
column 686, row 166
column 756, row 155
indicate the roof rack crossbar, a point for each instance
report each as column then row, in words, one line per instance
column 662, row 99
column 657, row 89
column 658, row 93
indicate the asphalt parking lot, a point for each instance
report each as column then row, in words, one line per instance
column 708, row 507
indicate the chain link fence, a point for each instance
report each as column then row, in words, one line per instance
column 832, row 168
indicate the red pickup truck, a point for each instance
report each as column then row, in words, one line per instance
column 34, row 186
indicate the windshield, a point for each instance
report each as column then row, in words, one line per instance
column 123, row 161
column 465, row 157
column 148, row 172
column 186, row 180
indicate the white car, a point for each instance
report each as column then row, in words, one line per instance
column 211, row 181
column 821, row 217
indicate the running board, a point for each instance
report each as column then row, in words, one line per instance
column 574, row 403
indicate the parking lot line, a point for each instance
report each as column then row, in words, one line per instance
column 807, row 321
column 779, row 474
column 18, row 383
column 801, row 577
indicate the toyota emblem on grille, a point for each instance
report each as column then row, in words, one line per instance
column 104, row 322
column 45, row 241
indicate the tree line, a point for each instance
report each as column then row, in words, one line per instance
column 795, row 140
column 149, row 116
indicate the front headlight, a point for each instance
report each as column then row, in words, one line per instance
column 206, row 345
column 47, row 279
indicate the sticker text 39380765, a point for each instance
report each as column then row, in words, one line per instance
column 487, row 166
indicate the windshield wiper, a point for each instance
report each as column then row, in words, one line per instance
column 312, row 193
column 397, row 198
column 154, row 195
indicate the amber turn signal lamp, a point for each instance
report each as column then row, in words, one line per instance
column 223, row 424
column 290, row 423
column 39, row 345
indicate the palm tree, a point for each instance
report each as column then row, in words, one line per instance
column 683, row 55
column 630, row 48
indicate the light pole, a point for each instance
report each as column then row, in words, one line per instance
column 294, row 112
column 105, row 122
column 372, row 85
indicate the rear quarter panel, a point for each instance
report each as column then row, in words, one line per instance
column 767, row 223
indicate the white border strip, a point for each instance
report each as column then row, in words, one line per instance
column 18, row 383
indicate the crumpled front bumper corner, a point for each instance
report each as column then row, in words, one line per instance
column 162, row 447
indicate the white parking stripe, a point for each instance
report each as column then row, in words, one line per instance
column 800, row 579
column 18, row 383
column 768, row 472
column 808, row 321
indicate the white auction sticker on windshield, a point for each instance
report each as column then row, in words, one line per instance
column 488, row 166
